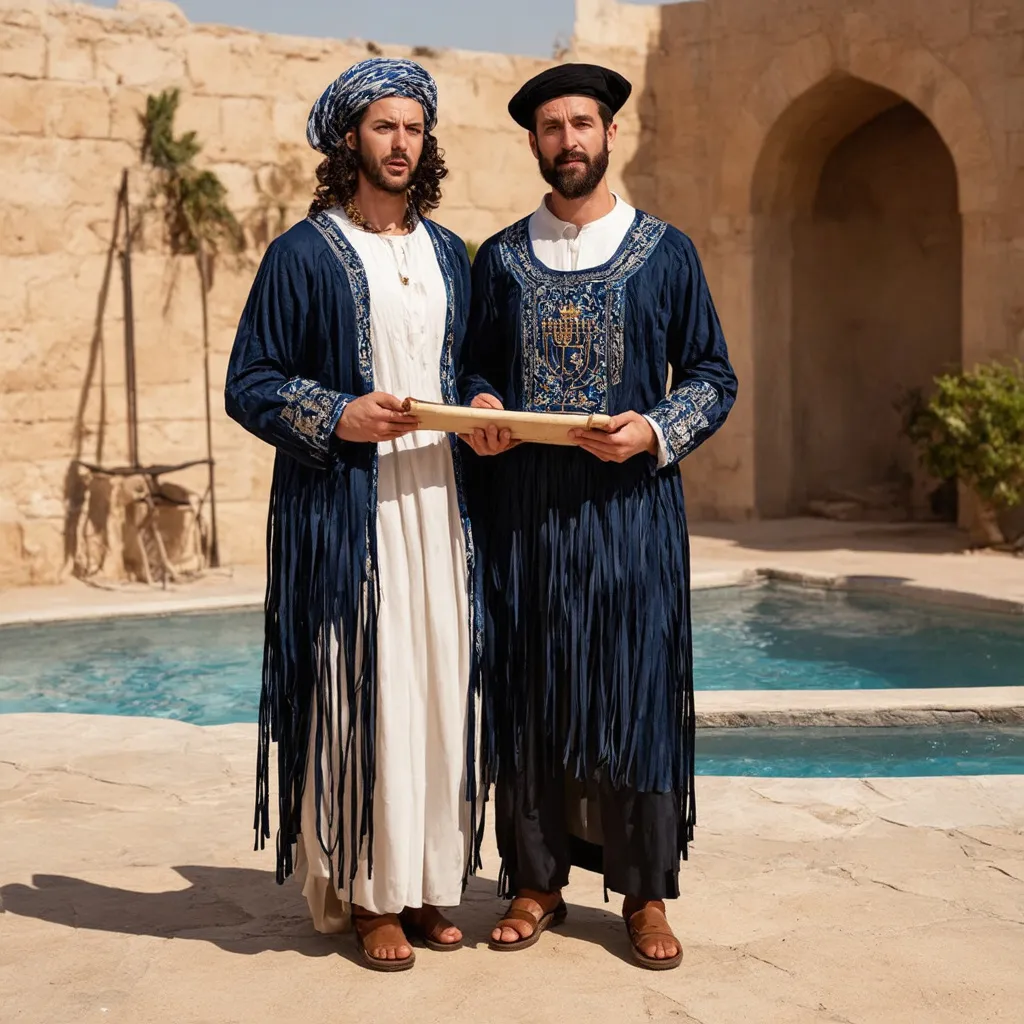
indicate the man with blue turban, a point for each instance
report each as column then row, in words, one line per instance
column 372, row 621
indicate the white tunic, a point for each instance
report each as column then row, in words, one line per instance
column 560, row 245
column 422, row 833
column 563, row 246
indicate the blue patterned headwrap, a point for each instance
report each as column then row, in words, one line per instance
column 365, row 83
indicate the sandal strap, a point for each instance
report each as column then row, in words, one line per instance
column 650, row 923
column 528, row 910
column 377, row 923
column 517, row 914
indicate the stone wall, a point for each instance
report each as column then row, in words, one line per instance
column 744, row 104
column 738, row 107
column 73, row 80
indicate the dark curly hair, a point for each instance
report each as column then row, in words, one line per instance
column 339, row 176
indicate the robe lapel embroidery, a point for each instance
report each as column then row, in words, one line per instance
column 356, row 274
column 354, row 270
column 573, row 323
column 444, row 261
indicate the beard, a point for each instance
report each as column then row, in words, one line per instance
column 375, row 172
column 570, row 182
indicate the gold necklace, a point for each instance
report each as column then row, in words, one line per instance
column 353, row 213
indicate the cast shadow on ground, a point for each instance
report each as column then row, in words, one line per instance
column 241, row 910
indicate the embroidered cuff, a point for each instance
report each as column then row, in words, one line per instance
column 662, row 449
column 312, row 412
column 682, row 417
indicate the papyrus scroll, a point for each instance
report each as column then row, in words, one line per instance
column 539, row 427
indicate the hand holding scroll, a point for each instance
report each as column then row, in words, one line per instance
column 628, row 434
column 374, row 417
column 489, row 441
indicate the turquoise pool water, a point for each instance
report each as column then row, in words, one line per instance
column 788, row 638
column 861, row 752
column 206, row 668
column 203, row 669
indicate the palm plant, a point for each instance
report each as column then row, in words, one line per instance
column 196, row 213
column 198, row 222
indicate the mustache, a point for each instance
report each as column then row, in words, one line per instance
column 571, row 157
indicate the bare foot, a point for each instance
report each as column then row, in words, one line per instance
column 533, row 902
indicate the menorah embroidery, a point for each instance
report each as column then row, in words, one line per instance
column 571, row 329
column 571, row 352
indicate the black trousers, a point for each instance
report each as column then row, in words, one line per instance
column 546, row 827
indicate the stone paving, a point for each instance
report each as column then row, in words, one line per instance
column 130, row 892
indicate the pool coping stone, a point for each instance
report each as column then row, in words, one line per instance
column 138, row 601
column 733, row 709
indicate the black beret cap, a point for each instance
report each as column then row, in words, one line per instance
column 602, row 84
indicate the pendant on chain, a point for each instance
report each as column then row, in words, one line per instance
column 361, row 222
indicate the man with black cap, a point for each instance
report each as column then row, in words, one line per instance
column 591, row 306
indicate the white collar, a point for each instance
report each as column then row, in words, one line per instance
column 547, row 225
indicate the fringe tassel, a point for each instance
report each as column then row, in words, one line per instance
column 504, row 889
column 321, row 596
column 320, row 613
column 477, row 777
column 589, row 661
column 687, row 786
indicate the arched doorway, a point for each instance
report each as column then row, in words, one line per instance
column 857, row 300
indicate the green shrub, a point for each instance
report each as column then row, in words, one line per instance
column 972, row 429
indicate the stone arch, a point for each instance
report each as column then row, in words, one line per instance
column 911, row 73
column 805, row 116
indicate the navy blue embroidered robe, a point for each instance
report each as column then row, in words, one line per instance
column 587, row 642
column 302, row 353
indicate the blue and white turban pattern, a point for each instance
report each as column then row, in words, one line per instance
column 362, row 84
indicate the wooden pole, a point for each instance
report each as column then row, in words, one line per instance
column 203, row 288
column 131, row 392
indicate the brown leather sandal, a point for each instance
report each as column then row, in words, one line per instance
column 423, row 923
column 375, row 930
column 651, row 923
column 551, row 919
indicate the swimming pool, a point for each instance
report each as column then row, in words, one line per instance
column 791, row 638
column 861, row 752
column 206, row 668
